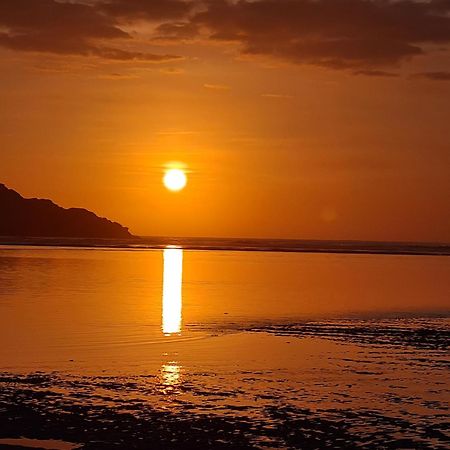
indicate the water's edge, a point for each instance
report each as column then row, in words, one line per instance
column 234, row 244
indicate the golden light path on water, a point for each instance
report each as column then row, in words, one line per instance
column 172, row 308
column 172, row 290
column 170, row 374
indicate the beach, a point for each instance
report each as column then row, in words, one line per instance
column 138, row 348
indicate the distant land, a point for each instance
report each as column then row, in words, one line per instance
column 32, row 217
column 41, row 222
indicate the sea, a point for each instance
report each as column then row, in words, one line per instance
column 224, row 344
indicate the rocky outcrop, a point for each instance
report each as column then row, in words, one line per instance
column 25, row 217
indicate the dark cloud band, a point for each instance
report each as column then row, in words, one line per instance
column 357, row 34
column 71, row 28
column 364, row 36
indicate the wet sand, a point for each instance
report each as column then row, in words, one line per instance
column 334, row 391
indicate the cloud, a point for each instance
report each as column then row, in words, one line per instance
column 366, row 37
column 177, row 30
column 276, row 96
column 150, row 10
column 71, row 28
column 126, row 55
column 433, row 76
column 217, row 87
column 172, row 70
column 375, row 73
column 118, row 76
column 341, row 34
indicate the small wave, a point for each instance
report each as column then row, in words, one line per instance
column 431, row 334
column 233, row 244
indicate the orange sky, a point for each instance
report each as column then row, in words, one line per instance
column 293, row 119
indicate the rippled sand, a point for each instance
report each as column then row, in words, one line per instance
column 316, row 385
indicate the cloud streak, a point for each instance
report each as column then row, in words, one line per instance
column 433, row 76
column 148, row 10
column 217, row 87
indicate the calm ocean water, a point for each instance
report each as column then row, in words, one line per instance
column 139, row 348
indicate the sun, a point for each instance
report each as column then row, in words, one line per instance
column 175, row 179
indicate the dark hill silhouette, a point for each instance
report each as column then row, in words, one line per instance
column 26, row 217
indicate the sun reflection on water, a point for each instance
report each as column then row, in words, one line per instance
column 172, row 291
column 170, row 374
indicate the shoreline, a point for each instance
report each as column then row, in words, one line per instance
column 228, row 244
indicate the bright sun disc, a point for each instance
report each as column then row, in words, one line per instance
column 175, row 179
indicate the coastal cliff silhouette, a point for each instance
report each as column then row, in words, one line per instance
column 33, row 217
